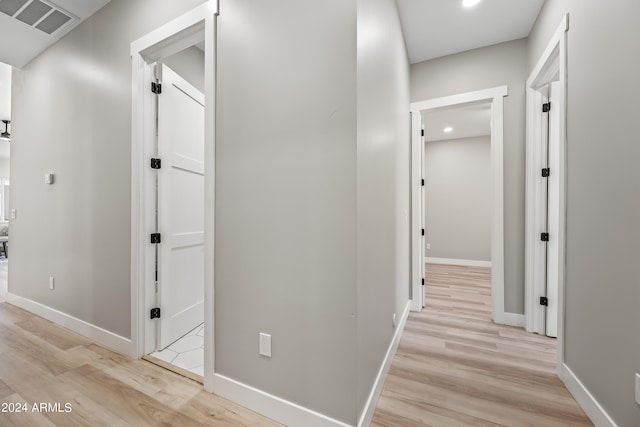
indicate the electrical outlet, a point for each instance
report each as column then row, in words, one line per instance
column 265, row 344
column 428, row 245
column 51, row 282
column 638, row 389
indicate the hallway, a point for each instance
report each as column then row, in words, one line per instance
column 454, row 367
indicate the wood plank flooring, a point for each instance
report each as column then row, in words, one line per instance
column 455, row 368
column 43, row 363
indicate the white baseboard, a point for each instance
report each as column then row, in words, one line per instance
column 101, row 336
column 372, row 401
column 292, row 414
column 280, row 410
column 511, row 319
column 452, row 261
column 585, row 399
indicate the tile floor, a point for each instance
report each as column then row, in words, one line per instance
column 187, row 352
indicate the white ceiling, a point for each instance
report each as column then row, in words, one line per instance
column 467, row 121
column 22, row 43
column 434, row 28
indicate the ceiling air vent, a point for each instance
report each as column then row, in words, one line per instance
column 44, row 16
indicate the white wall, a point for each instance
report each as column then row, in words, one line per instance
column 602, row 332
column 458, row 198
column 286, row 200
column 72, row 106
column 5, row 94
column 502, row 64
column 383, row 184
column 312, row 193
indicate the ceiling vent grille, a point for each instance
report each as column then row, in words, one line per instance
column 44, row 16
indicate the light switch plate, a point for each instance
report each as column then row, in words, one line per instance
column 638, row 389
column 14, row 213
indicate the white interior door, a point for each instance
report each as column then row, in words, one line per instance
column 553, row 206
column 181, row 207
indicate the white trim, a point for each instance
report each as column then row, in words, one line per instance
column 101, row 336
column 417, row 240
column 460, row 98
column 174, row 36
column 585, row 399
column 453, row 261
column 511, row 319
column 274, row 407
column 370, row 407
column 495, row 95
column 534, row 253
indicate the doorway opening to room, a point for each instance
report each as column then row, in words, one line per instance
column 179, row 216
column 172, row 194
column 457, row 209
column 545, row 224
column 494, row 98
column 5, row 181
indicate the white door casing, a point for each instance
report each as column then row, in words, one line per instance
column 553, row 203
column 181, row 207
column 544, row 273
column 188, row 29
column 495, row 96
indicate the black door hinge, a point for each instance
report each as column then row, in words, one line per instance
column 423, row 231
column 155, row 238
column 423, row 182
column 422, row 132
column 546, row 107
column 422, row 282
column 544, row 237
column 544, row 301
column 156, row 88
column 155, row 313
column 156, row 163
column 545, row 172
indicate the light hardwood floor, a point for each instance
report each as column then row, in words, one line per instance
column 455, row 368
column 43, row 363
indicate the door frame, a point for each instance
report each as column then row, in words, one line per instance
column 496, row 97
column 552, row 61
column 186, row 30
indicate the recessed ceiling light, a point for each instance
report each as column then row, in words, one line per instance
column 470, row 3
column 448, row 129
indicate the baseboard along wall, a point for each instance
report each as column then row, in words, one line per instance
column 585, row 399
column 292, row 414
column 101, row 336
column 370, row 407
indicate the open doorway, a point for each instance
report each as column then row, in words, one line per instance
column 494, row 97
column 5, row 151
column 173, row 70
column 179, row 219
column 545, row 191
column 457, row 208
